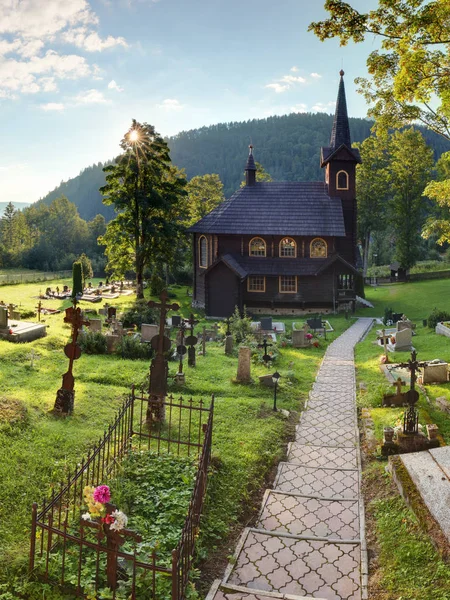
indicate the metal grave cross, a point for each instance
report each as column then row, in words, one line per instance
column 266, row 357
column 191, row 340
column 114, row 540
column 228, row 323
column 411, row 416
column 181, row 348
column 65, row 396
column 159, row 369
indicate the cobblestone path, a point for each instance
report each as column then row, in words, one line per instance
column 309, row 539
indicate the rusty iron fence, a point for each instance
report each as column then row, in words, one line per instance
column 60, row 544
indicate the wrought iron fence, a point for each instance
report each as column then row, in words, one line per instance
column 63, row 548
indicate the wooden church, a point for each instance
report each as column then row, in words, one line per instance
column 283, row 247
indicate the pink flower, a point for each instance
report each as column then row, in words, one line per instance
column 102, row 494
column 309, row 336
column 109, row 518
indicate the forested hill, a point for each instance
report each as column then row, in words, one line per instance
column 288, row 147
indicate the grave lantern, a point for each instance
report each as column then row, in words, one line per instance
column 275, row 377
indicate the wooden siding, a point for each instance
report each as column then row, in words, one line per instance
column 223, row 292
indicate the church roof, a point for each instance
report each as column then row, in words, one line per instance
column 276, row 208
column 249, row 265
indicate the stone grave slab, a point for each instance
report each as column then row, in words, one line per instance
column 322, row 456
column 323, row 436
column 23, row 331
column 310, row 517
column 429, row 471
column 148, row 331
column 95, row 325
column 435, row 373
column 442, row 329
column 288, row 565
column 322, row 482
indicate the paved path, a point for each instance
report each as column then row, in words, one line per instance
column 309, row 539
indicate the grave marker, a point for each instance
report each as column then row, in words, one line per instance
column 243, row 372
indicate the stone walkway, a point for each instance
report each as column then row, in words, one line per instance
column 309, row 539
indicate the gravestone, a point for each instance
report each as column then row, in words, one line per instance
column 95, row 325
column 404, row 323
column 112, row 341
column 229, row 345
column 266, row 323
column 403, row 340
column 299, row 339
column 176, row 320
column 435, row 373
column 148, row 331
column 112, row 312
column 315, row 324
column 3, row 318
column 243, row 372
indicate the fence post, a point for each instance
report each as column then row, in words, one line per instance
column 174, row 574
column 33, row 536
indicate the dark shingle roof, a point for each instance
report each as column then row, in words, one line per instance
column 248, row 265
column 340, row 133
column 328, row 153
column 276, row 208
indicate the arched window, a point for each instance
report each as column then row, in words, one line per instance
column 257, row 247
column 342, row 180
column 318, row 248
column 288, row 248
column 203, row 252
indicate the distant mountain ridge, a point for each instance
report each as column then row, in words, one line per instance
column 287, row 146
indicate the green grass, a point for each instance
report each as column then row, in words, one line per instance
column 40, row 449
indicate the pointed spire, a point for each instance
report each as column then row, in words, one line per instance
column 341, row 128
column 250, row 168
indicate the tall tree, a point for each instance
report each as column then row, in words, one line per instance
column 410, row 170
column 86, row 268
column 204, row 192
column 411, row 72
column 147, row 195
column 438, row 224
column 372, row 190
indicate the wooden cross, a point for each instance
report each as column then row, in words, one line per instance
column 39, row 310
column 383, row 338
column 398, row 386
column 114, row 540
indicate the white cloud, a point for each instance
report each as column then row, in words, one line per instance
column 299, row 108
column 316, row 76
column 277, row 87
column 170, row 104
column 52, row 106
column 91, row 97
column 90, row 40
column 322, row 107
column 285, row 83
column 28, row 60
column 112, row 85
column 294, row 69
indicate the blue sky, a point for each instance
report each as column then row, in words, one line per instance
column 73, row 73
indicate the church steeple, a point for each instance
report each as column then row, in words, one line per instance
column 250, row 168
column 340, row 133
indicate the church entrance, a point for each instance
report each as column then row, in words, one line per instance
column 222, row 292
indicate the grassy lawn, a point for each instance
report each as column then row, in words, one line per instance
column 38, row 449
column 405, row 564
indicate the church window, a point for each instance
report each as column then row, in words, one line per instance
column 203, row 252
column 342, row 180
column 318, row 248
column 288, row 248
column 256, row 284
column 288, row 284
column 257, row 247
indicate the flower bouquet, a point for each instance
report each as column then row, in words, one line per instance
column 100, row 510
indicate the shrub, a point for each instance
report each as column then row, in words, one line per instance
column 139, row 313
column 27, row 314
column 437, row 316
column 92, row 342
column 387, row 315
column 132, row 348
column 240, row 326
column 157, row 285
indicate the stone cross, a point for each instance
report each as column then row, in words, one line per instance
column 266, row 357
column 65, row 396
column 159, row 368
column 114, row 540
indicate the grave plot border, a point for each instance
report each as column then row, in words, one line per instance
column 187, row 430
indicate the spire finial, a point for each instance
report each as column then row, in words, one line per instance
column 250, row 150
column 250, row 168
column 342, row 72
